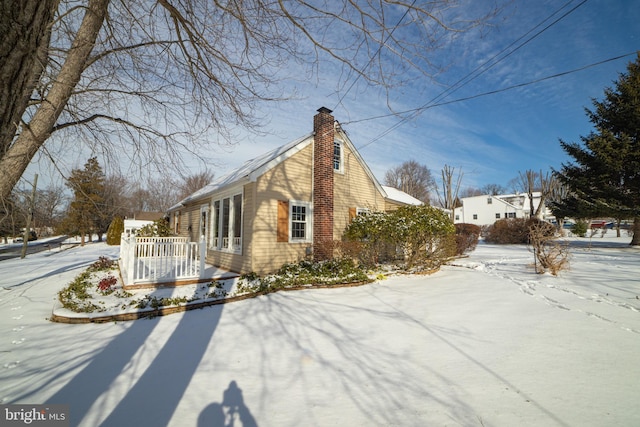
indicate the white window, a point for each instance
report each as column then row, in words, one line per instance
column 489, row 201
column 511, row 214
column 227, row 224
column 337, row 155
column 475, row 216
column 498, row 216
column 204, row 214
column 215, row 222
column 236, row 244
column 457, row 217
column 176, row 222
column 362, row 211
column 300, row 225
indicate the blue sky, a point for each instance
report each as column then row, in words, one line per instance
column 491, row 138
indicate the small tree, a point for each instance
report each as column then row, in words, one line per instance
column 86, row 211
column 115, row 230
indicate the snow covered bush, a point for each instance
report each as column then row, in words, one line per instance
column 159, row 228
column 366, row 238
column 303, row 273
column 467, row 236
column 423, row 235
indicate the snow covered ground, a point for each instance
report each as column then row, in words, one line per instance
column 486, row 342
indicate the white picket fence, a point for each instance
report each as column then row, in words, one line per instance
column 160, row 259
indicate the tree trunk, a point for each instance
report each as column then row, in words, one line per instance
column 16, row 158
column 25, row 29
column 635, row 240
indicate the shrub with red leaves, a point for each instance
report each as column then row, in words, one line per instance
column 107, row 283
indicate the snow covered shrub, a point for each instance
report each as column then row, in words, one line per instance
column 425, row 234
column 303, row 273
column 159, row 228
column 366, row 238
column 467, row 236
column 76, row 296
column 115, row 230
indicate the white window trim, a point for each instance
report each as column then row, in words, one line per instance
column 362, row 211
column 230, row 247
column 207, row 222
column 308, row 231
column 341, row 143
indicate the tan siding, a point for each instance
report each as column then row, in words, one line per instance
column 189, row 222
column 352, row 189
column 290, row 180
column 391, row 206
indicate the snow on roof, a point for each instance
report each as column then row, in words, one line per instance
column 400, row 196
column 258, row 164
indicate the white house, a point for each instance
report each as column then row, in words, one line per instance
column 487, row 209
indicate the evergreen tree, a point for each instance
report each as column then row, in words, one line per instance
column 115, row 230
column 85, row 214
column 604, row 178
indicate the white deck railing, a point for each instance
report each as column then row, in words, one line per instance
column 160, row 259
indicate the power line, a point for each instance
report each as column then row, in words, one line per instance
column 384, row 42
column 492, row 92
column 487, row 65
column 484, row 67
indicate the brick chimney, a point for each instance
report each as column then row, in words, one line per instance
column 323, row 130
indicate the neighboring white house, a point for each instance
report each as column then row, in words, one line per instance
column 487, row 209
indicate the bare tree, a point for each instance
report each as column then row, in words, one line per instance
column 193, row 183
column 528, row 185
column 471, row 192
column 149, row 79
column 492, row 189
column 49, row 209
column 531, row 182
column 450, row 188
column 412, row 178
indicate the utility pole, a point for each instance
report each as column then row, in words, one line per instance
column 27, row 228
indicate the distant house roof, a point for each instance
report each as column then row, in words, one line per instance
column 400, row 196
